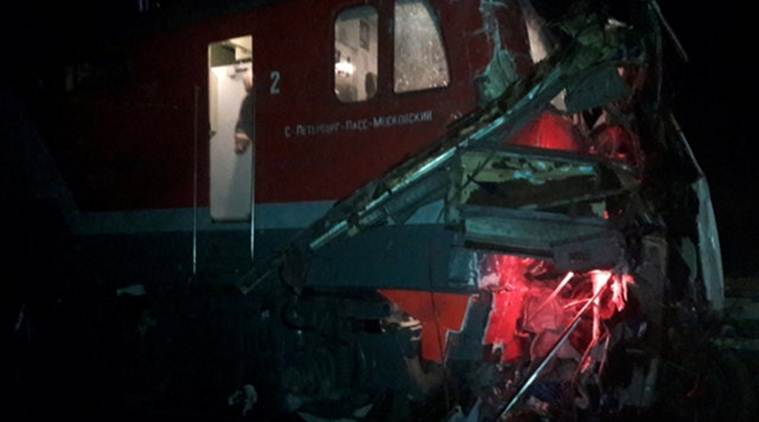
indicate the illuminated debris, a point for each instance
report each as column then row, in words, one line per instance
column 530, row 310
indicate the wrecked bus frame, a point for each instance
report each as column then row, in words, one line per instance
column 532, row 262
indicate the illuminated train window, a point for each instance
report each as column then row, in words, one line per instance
column 356, row 54
column 420, row 61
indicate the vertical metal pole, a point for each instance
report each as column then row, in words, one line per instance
column 195, row 186
column 253, row 181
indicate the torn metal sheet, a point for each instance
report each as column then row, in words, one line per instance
column 529, row 231
column 597, row 90
column 710, row 257
column 521, row 179
column 501, row 72
column 498, row 76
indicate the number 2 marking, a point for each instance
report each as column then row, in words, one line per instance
column 274, row 90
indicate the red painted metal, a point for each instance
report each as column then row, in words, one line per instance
column 439, row 313
column 134, row 138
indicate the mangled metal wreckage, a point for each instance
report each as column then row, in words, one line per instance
column 518, row 266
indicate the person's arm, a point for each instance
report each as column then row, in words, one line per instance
column 244, row 127
column 242, row 140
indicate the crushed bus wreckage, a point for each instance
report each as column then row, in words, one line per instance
column 540, row 260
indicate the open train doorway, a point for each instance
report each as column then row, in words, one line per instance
column 232, row 122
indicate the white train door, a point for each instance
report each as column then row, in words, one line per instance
column 231, row 116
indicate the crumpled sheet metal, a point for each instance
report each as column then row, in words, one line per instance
column 710, row 256
column 511, row 116
column 520, row 322
column 488, row 127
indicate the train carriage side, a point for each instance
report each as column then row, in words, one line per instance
column 343, row 91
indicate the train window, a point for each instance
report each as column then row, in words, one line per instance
column 356, row 54
column 420, row 61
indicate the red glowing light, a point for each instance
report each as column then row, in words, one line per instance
column 530, row 308
column 528, row 311
column 549, row 131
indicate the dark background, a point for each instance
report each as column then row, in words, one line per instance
column 715, row 102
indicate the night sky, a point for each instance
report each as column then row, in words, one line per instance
column 715, row 103
column 714, row 100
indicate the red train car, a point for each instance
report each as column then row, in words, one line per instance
column 150, row 132
column 497, row 184
column 319, row 135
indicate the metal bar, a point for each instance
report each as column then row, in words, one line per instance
column 253, row 184
column 195, row 186
column 553, row 294
column 675, row 39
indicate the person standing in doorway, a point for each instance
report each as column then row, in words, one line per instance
column 244, row 132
